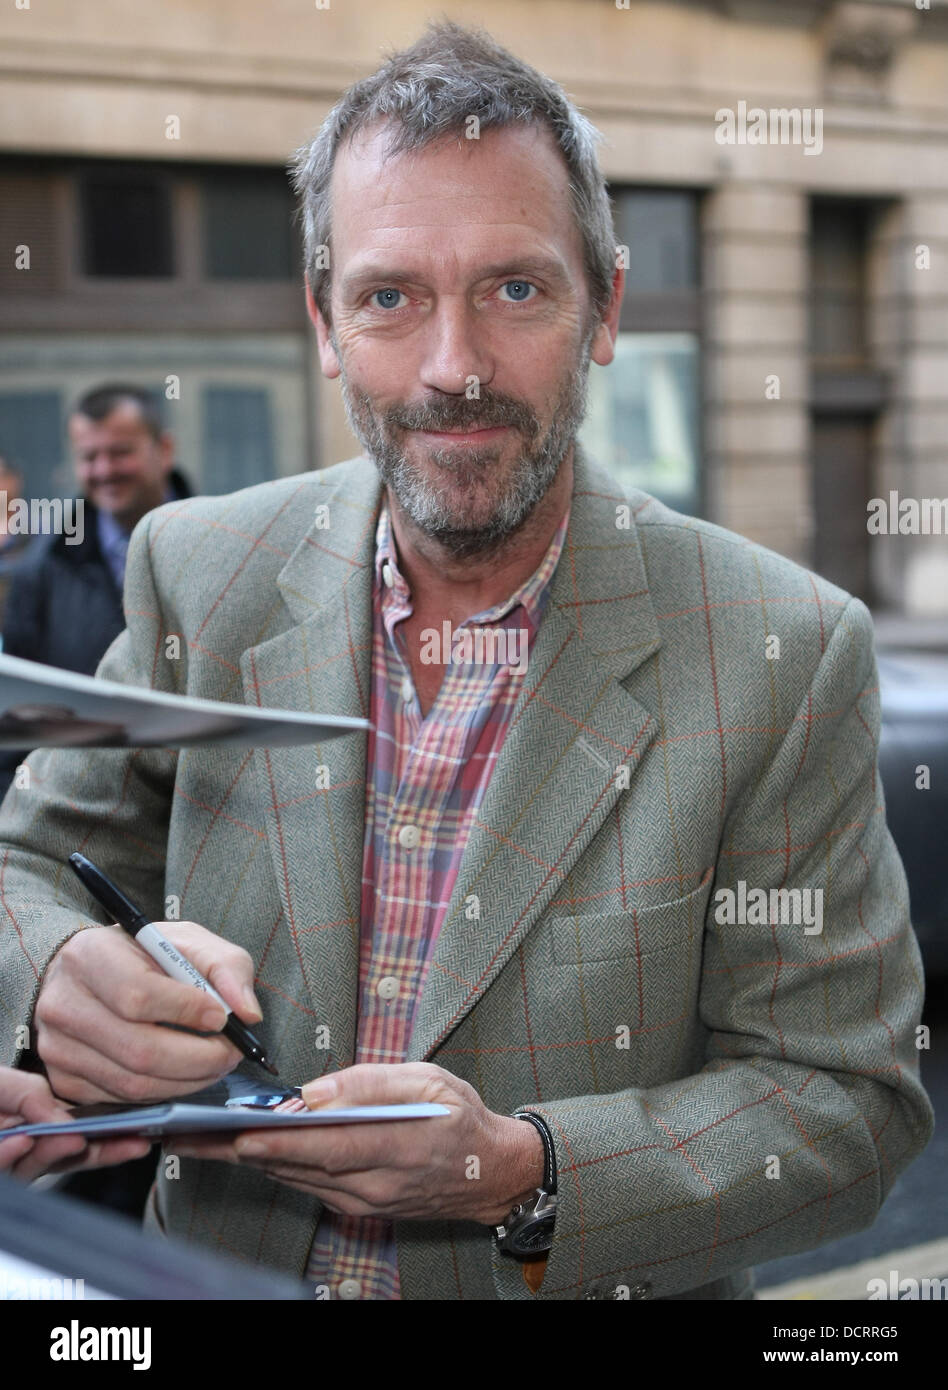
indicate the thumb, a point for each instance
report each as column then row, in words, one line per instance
column 324, row 1093
column 367, row 1083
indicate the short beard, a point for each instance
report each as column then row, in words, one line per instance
column 533, row 474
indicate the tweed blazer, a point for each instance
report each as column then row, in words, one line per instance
column 720, row 1093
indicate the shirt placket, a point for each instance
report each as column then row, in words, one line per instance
column 394, row 959
column 405, row 869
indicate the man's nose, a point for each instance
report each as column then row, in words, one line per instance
column 99, row 465
column 457, row 355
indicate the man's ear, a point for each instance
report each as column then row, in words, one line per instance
column 604, row 339
column 327, row 353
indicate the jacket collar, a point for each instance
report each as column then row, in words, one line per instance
column 600, row 586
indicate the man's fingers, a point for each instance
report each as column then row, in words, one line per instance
column 103, row 1000
column 47, row 1153
column 113, row 969
column 227, row 967
column 132, row 986
column 108, row 1152
column 337, row 1150
column 377, row 1083
column 27, row 1099
column 25, row 1095
column 86, row 1027
column 78, row 1090
column 12, row 1150
column 67, row 1153
column 137, row 1074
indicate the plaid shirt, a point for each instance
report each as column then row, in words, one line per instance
column 426, row 779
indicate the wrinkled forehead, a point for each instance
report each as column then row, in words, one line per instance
column 453, row 195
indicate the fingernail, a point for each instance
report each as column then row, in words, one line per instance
column 251, row 1006
column 212, row 1019
column 315, row 1092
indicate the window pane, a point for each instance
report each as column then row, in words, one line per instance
column 238, row 438
column 31, row 439
column 659, row 226
column 642, row 418
column 126, row 225
column 60, row 367
column 838, row 237
column 841, row 450
column 248, row 227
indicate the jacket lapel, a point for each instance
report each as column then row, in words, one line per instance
column 555, row 781
column 314, row 794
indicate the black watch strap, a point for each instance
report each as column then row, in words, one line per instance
column 549, row 1153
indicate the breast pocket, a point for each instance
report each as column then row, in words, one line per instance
column 677, row 925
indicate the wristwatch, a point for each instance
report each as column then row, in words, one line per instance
column 528, row 1229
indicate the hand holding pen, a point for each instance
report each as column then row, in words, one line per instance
column 98, row 1016
column 163, row 952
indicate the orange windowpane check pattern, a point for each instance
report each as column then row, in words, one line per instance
column 654, row 756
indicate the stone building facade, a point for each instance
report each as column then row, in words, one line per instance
column 780, row 175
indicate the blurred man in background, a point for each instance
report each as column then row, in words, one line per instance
column 66, row 609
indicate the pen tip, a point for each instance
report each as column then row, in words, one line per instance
column 269, row 1066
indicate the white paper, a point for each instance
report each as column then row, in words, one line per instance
column 44, row 707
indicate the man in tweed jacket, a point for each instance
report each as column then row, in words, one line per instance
column 721, row 1087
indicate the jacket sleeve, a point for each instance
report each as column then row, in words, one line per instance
column 112, row 804
column 810, row 1103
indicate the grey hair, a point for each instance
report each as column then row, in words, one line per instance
column 432, row 90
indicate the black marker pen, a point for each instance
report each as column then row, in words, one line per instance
column 147, row 935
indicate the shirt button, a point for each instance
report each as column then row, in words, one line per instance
column 350, row 1288
column 409, row 837
column 389, row 580
column 387, row 987
column 408, row 689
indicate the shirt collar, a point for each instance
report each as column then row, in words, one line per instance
column 113, row 537
column 111, row 533
column 532, row 594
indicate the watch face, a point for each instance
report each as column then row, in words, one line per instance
column 536, row 1236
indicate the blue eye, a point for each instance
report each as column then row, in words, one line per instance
column 387, row 298
column 519, row 290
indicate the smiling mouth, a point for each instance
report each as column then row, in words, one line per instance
column 478, row 436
